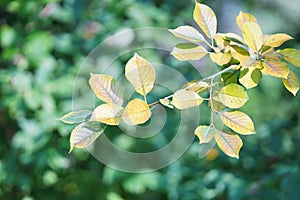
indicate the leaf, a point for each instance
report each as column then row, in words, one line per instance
column 250, row 77
column 291, row 83
column 291, row 55
column 196, row 86
column 230, row 144
column 277, row 40
column 166, row 102
column 85, row 134
column 137, row 111
column 252, row 35
column 233, row 38
column 183, row 99
column 188, row 51
column 233, row 96
column 205, row 133
column 108, row 113
column 76, row 117
column 140, row 73
column 238, row 121
column 274, row 66
column 244, row 17
column 220, row 58
column 105, row 88
column 206, row 19
column 188, row 33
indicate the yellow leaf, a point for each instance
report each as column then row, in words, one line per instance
column 244, row 17
column 183, row 99
column 206, row 19
column 105, row 88
column 108, row 113
column 85, row 134
column 220, row 58
column 76, row 117
column 185, row 52
column 245, row 60
column 196, row 86
column 291, row 83
column 233, row 96
column 140, row 73
column 238, row 121
column 291, row 55
column 273, row 66
column 137, row 111
column 205, row 133
column 188, row 33
column 252, row 35
column 230, row 144
column 250, row 77
column 233, row 38
column 277, row 40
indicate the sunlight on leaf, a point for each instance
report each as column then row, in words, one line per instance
column 238, row 121
column 140, row 73
column 137, row 111
column 291, row 83
column 291, row 55
column 188, row 51
column 105, row 88
column 273, row 66
column 76, row 117
column 206, row 19
column 230, row 144
column 205, row 133
column 252, row 35
column 85, row 134
column 250, row 77
column 188, row 33
column 233, row 96
column 244, row 17
column 183, row 99
column 220, row 58
column 108, row 113
column 277, row 40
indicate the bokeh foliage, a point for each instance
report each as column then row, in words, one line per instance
column 43, row 44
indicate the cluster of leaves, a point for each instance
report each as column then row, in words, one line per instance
column 242, row 61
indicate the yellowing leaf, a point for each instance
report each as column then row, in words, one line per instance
column 238, row 121
column 196, row 86
column 233, row 38
column 244, row 17
column 277, row 40
column 291, row 55
column 273, row 66
column 188, row 33
column 76, row 117
column 206, row 19
column 85, row 134
column 183, row 99
column 186, row 51
column 250, row 77
column 291, row 83
column 220, row 58
column 233, row 96
column 140, row 73
column 230, row 144
column 205, row 133
column 108, row 113
column 105, row 88
column 166, row 102
column 252, row 35
column 137, row 111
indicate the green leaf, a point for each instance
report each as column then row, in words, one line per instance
column 108, row 113
column 252, row 35
column 183, row 99
column 205, row 133
column 291, row 55
column 85, row 134
column 141, row 74
column 76, row 117
column 291, row 83
column 105, row 88
column 188, row 33
column 250, row 77
column 188, row 51
column 230, row 144
column 238, row 121
column 206, row 19
column 233, row 96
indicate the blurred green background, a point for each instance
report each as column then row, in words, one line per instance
column 43, row 44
